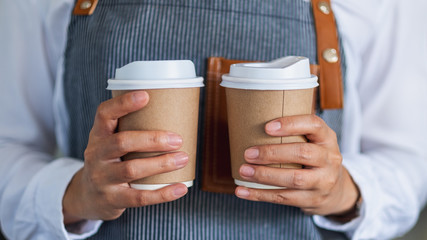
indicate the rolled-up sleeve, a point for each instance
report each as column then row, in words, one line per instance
column 385, row 146
column 32, row 181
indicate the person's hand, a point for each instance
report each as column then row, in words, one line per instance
column 322, row 187
column 100, row 190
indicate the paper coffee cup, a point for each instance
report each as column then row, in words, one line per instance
column 174, row 91
column 258, row 93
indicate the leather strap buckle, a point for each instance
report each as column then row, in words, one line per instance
column 85, row 7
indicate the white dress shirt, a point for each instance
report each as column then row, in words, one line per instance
column 384, row 142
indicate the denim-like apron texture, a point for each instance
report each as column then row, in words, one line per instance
column 122, row 31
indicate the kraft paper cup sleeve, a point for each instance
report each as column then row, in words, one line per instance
column 258, row 93
column 174, row 90
column 174, row 110
column 248, row 112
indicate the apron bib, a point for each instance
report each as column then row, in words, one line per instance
column 122, row 31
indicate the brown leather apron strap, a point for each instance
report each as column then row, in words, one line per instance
column 328, row 55
column 85, row 7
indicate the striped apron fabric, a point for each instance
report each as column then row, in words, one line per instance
column 122, row 31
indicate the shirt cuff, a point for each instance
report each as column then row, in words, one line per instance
column 83, row 229
column 349, row 228
column 46, row 190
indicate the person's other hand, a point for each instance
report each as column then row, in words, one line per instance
column 322, row 187
column 100, row 190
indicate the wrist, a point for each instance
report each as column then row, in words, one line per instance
column 69, row 202
column 353, row 211
column 348, row 215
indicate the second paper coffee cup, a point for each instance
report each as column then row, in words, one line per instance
column 258, row 93
column 174, row 90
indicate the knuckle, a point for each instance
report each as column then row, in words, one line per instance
column 329, row 183
column 333, row 134
column 257, row 196
column 124, row 100
column 121, row 141
column 304, row 152
column 336, row 158
column 166, row 162
column 101, row 111
column 164, row 196
column 88, row 154
column 332, row 159
column 270, row 152
column 317, row 122
column 262, row 174
column 298, row 180
column 280, row 198
column 157, row 138
column 142, row 200
column 92, row 134
column 129, row 171
column 288, row 123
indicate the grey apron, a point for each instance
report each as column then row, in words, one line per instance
column 122, row 31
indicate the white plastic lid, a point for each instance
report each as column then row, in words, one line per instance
column 286, row 73
column 255, row 185
column 157, row 186
column 155, row 75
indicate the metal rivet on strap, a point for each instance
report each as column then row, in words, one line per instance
column 330, row 55
column 85, row 5
column 324, row 7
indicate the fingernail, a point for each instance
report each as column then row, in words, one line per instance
column 242, row 192
column 139, row 96
column 179, row 191
column 247, row 171
column 174, row 140
column 181, row 159
column 273, row 126
column 252, row 153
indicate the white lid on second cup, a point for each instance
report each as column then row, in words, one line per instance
column 286, row 73
column 155, row 75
